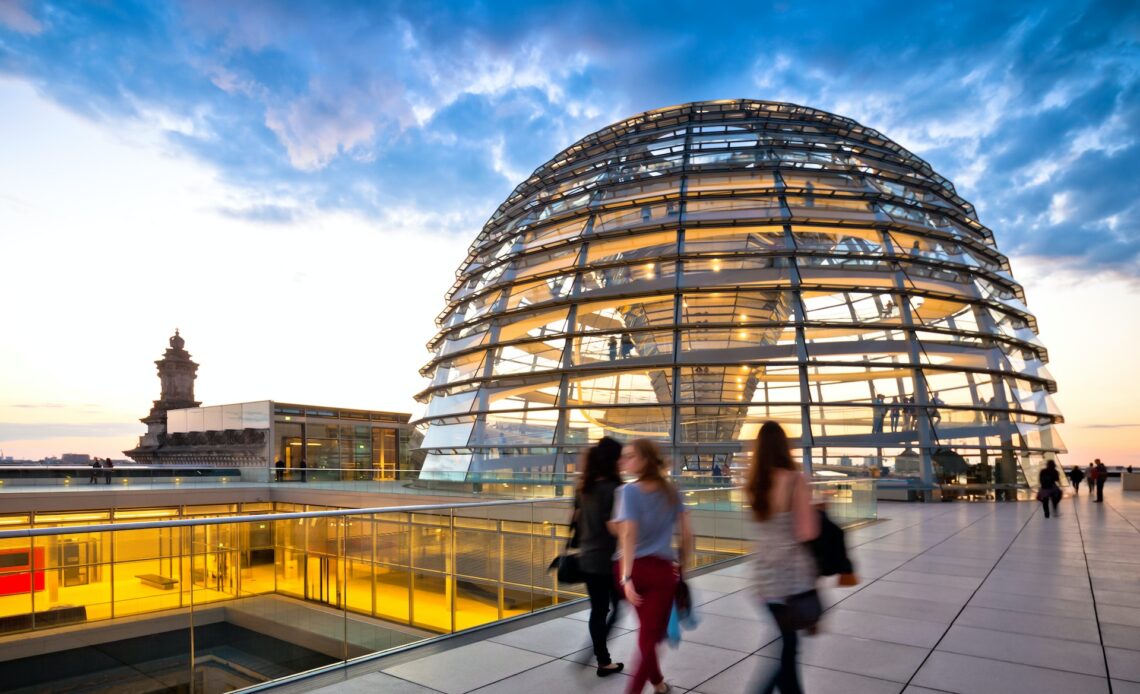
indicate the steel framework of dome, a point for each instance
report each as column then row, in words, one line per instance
column 690, row 272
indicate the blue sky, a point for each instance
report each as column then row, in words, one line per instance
column 1033, row 109
column 170, row 164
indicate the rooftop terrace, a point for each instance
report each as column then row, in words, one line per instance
column 964, row 598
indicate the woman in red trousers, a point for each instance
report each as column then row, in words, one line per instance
column 646, row 513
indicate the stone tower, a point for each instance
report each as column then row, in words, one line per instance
column 177, row 372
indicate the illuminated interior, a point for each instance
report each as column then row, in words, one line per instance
column 691, row 272
column 435, row 571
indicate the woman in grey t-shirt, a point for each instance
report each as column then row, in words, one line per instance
column 646, row 512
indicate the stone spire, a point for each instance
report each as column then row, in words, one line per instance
column 177, row 372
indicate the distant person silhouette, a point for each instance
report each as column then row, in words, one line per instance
column 1090, row 478
column 280, row 472
column 895, row 412
column 94, row 479
column 1101, row 478
column 304, row 469
column 612, row 344
column 626, row 345
column 107, row 467
column 879, row 414
column 1050, row 492
column 1076, row 476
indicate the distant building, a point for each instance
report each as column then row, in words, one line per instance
column 343, row 443
column 75, row 459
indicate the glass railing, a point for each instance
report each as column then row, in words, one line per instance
column 84, row 476
column 255, row 598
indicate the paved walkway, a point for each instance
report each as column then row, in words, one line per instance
column 956, row 598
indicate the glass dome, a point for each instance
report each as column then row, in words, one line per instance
column 691, row 272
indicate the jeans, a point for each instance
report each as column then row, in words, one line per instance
column 604, row 598
column 1100, row 488
column 655, row 581
column 787, row 677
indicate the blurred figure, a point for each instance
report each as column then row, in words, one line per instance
column 647, row 512
column 1076, row 476
column 1050, row 491
column 1101, row 478
column 1090, row 478
column 786, row 572
column 280, row 470
column 593, row 507
column 879, row 414
column 94, row 479
column 895, row 412
column 107, row 467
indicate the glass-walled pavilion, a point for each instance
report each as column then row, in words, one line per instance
column 333, row 443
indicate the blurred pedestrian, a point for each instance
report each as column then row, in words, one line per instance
column 1076, row 476
column 878, row 414
column 94, row 479
column 1101, row 478
column 107, row 466
column 786, row 572
column 1090, row 478
column 1050, row 490
column 593, row 508
column 647, row 512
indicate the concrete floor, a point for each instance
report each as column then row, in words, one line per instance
column 955, row 598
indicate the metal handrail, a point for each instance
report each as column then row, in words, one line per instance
column 266, row 517
column 261, row 517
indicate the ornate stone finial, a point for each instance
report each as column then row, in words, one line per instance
column 177, row 342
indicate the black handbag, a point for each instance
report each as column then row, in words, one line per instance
column 683, row 599
column 567, row 566
column 798, row 612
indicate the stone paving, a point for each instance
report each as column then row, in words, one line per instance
column 969, row 598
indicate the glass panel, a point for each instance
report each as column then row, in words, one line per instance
column 600, row 348
column 734, row 239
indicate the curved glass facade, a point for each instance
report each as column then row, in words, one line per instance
column 688, row 273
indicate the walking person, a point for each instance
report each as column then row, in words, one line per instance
column 1101, row 478
column 786, row 572
column 1090, row 478
column 593, row 508
column 646, row 513
column 1076, row 476
column 94, row 479
column 1050, row 491
column 107, row 466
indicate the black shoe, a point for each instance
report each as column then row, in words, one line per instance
column 611, row 669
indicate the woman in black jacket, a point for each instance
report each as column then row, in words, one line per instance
column 593, row 506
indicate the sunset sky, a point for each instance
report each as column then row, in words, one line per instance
column 293, row 185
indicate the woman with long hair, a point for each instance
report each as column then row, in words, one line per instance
column 646, row 514
column 593, row 506
column 785, row 569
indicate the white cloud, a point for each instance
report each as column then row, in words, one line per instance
column 1060, row 207
column 15, row 17
column 330, row 309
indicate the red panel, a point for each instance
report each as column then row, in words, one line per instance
column 17, row 576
